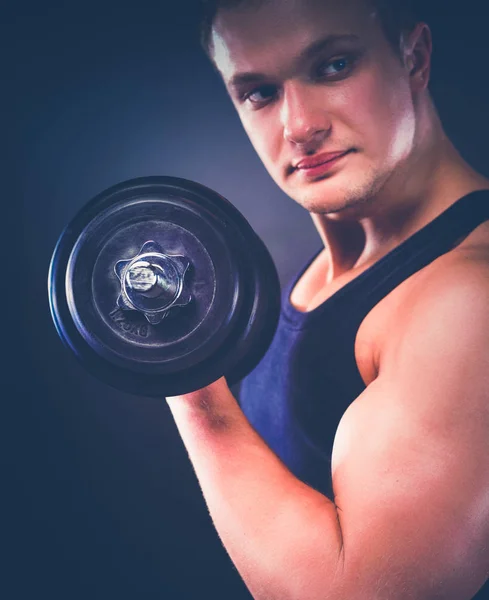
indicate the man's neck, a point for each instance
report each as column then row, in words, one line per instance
column 354, row 242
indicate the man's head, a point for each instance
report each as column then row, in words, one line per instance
column 397, row 18
column 311, row 78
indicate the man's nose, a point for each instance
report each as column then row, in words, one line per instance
column 304, row 120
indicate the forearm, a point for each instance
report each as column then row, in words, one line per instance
column 282, row 535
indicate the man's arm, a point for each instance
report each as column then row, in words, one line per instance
column 283, row 536
column 410, row 469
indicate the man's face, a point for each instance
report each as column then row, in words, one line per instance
column 314, row 77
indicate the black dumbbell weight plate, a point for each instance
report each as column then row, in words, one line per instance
column 229, row 300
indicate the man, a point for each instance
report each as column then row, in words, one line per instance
column 383, row 335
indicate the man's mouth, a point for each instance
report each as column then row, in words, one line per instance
column 319, row 159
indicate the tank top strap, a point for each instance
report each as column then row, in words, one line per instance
column 432, row 241
column 367, row 289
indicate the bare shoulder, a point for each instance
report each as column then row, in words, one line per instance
column 466, row 264
column 461, row 276
column 452, row 292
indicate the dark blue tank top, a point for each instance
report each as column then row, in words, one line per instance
column 298, row 393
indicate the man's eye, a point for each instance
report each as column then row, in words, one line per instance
column 260, row 95
column 334, row 68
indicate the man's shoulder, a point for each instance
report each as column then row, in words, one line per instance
column 459, row 278
column 460, row 274
column 451, row 292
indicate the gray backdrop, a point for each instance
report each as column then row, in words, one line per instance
column 101, row 500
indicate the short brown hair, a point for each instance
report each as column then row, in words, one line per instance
column 396, row 17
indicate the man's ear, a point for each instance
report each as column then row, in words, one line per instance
column 417, row 48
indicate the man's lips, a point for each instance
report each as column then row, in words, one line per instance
column 319, row 159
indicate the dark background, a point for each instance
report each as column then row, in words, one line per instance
column 100, row 500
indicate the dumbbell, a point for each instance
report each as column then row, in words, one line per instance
column 160, row 286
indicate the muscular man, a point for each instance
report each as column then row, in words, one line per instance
column 357, row 465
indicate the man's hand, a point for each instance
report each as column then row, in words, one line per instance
column 212, row 401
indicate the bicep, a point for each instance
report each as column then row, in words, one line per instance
column 411, row 465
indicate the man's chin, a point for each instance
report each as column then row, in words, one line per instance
column 334, row 202
column 320, row 197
